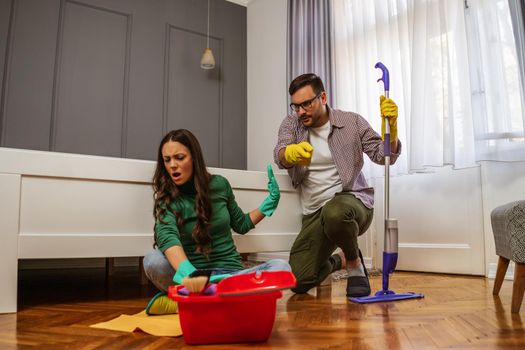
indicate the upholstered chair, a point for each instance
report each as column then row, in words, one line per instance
column 508, row 226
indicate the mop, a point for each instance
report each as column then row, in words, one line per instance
column 391, row 232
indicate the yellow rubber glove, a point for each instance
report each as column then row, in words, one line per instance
column 298, row 153
column 388, row 110
column 161, row 304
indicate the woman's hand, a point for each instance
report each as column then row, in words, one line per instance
column 270, row 203
column 184, row 270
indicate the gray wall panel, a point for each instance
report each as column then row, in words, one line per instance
column 194, row 94
column 29, row 86
column 107, row 62
column 5, row 13
column 145, row 126
column 91, row 90
column 234, row 128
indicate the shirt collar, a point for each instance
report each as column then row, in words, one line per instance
column 334, row 118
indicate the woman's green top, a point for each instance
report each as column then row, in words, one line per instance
column 225, row 216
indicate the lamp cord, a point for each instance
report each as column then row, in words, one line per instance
column 208, row 29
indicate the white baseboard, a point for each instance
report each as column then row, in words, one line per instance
column 286, row 256
column 368, row 262
column 508, row 276
column 269, row 255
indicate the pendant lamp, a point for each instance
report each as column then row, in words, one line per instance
column 207, row 60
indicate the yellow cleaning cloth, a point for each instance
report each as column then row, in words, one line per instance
column 158, row 325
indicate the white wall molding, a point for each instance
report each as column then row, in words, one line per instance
column 241, row 2
column 260, row 257
column 10, row 186
column 78, row 166
column 434, row 245
column 75, row 245
column 285, row 255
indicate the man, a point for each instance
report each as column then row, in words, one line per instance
column 322, row 149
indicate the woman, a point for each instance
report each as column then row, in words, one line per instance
column 194, row 214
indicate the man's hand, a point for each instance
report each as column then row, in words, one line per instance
column 388, row 111
column 300, row 153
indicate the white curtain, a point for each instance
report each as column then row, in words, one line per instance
column 496, row 81
column 440, row 69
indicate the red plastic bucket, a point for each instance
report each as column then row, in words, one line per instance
column 226, row 319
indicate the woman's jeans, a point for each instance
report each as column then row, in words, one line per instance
column 160, row 272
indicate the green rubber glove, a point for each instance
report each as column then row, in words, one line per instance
column 218, row 278
column 270, row 203
column 298, row 153
column 184, row 270
column 388, row 111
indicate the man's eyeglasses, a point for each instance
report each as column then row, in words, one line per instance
column 305, row 105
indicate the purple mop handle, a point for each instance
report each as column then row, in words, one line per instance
column 386, row 82
column 390, row 252
column 386, row 77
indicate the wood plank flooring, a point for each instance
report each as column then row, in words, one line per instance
column 458, row 312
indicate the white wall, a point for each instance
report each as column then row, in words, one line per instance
column 434, row 206
column 267, row 85
column 440, row 220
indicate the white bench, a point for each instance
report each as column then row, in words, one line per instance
column 59, row 205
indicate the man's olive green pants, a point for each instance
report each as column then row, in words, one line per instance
column 337, row 224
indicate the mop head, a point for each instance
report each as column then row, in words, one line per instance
column 384, row 296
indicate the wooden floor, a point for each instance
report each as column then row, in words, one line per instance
column 459, row 312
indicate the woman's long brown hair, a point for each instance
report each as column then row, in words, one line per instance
column 165, row 191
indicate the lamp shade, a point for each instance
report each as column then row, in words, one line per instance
column 207, row 60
